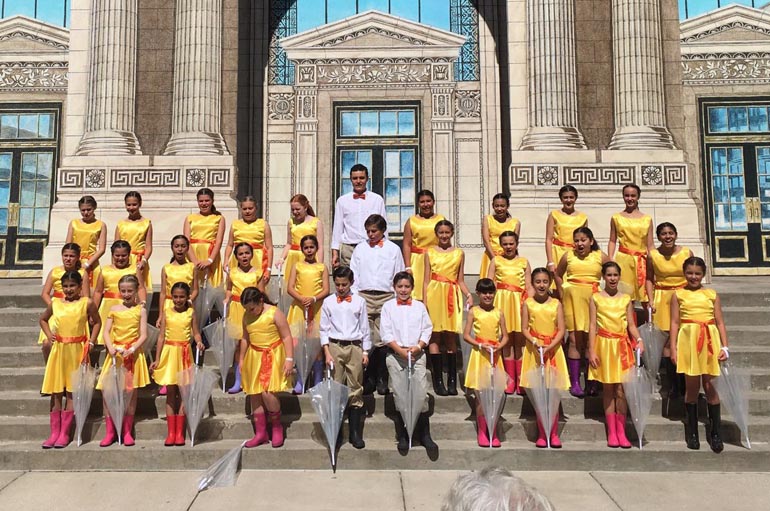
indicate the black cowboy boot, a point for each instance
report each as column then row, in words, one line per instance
column 691, row 431
column 382, row 371
column 436, row 371
column 402, row 436
column 355, row 428
column 423, row 426
column 715, row 439
column 451, row 377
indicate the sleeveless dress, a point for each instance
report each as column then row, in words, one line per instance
column 631, row 254
column 177, row 273
column 135, row 233
column 495, row 230
column 423, row 238
column 262, row 369
column 308, row 282
column 240, row 280
column 176, row 354
column 486, row 329
column 543, row 326
column 69, row 345
column 124, row 333
column 564, row 226
column 613, row 345
column 510, row 280
column 669, row 276
column 254, row 234
column 111, row 295
column 58, row 294
column 87, row 238
column 295, row 255
column 698, row 342
column 581, row 280
column 444, row 300
column 203, row 236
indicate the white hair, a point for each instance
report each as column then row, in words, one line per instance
column 494, row 489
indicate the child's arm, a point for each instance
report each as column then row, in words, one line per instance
column 101, row 247
column 244, row 343
column 68, row 238
column 286, row 247
column 504, row 337
column 461, row 282
column 325, row 288
column 528, row 281
column 291, row 286
column 549, row 229
column 106, row 336
column 85, row 287
column 99, row 290
column 196, row 333
column 561, row 329
column 194, row 288
column 612, row 244
column 142, row 291
column 407, row 245
column 491, row 269
column 319, row 234
column 426, row 277
column 142, row 332
column 673, row 333
column 724, row 353
column 161, row 301
column 161, row 340
column 45, row 327
column 649, row 284
column 47, row 288
column 228, row 290
column 525, row 321
column 593, row 359
column 288, row 343
column 228, row 251
column 467, row 330
column 650, row 239
column 186, row 228
column 147, row 245
column 324, row 332
column 558, row 276
column 485, row 238
column 268, row 244
column 219, row 239
column 94, row 320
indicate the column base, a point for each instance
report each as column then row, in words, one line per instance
column 195, row 142
column 642, row 137
column 552, row 138
column 108, row 142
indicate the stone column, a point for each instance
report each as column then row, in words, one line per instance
column 640, row 106
column 553, row 106
column 197, row 104
column 110, row 117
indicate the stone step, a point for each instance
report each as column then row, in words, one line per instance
column 19, row 335
column 746, row 315
column 10, row 298
column 20, row 316
column 748, row 296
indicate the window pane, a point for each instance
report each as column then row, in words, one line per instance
column 735, row 160
column 391, row 192
column 407, row 163
column 5, row 193
column 3, row 221
column 5, row 166
column 720, row 189
column 758, row 119
column 44, row 165
column 9, row 126
column 737, row 193
column 51, row 11
column 350, row 126
column 310, row 14
column 388, row 123
column 25, row 7
column 347, row 160
column 43, row 195
column 28, row 126
column 26, row 219
column 392, row 165
column 738, row 214
column 369, row 123
column 41, row 221
column 435, row 13
column 737, row 118
column 45, row 126
column 28, row 166
column 406, row 212
column 718, row 119
column 407, row 191
column 27, row 197
column 722, row 220
column 718, row 161
column 371, row 5
column 339, row 9
column 408, row 9
column 406, row 123
column 365, row 159
column 394, row 218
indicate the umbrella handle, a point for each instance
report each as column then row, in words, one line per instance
column 638, row 353
column 409, row 359
column 197, row 356
column 541, row 351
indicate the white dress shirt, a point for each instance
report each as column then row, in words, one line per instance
column 345, row 321
column 405, row 324
column 350, row 215
column 374, row 267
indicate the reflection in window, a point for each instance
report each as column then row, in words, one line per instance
column 55, row 12
column 26, row 126
column 728, row 186
column 399, row 187
column 35, row 192
column 377, row 123
column 6, row 160
column 693, row 8
column 347, row 160
column 763, row 178
column 738, row 119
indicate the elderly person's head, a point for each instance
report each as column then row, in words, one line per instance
column 494, row 489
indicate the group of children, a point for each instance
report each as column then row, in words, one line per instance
column 387, row 306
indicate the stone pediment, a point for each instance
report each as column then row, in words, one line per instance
column 21, row 36
column 735, row 23
column 373, row 34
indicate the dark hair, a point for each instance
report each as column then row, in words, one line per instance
column 248, row 198
column 486, row 286
column 304, row 202
column 242, row 244
column 502, row 196
column 87, row 199
column 378, row 221
column 425, row 193
column 181, row 285
column 359, row 168
column 175, row 238
column 120, row 244
column 589, row 233
column 538, row 271
column 343, row 272
column 72, row 275
column 662, row 226
column 403, row 275
column 308, row 237
column 129, row 278
column 694, row 261
column 506, row 234
column 254, row 295
column 75, row 248
column 136, row 195
column 442, row 223
column 635, row 187
column 210, row 193
column 566, row 189
column 610, row 264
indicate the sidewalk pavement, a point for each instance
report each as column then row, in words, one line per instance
column 381, row 490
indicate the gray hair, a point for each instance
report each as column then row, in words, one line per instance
column 494, row 489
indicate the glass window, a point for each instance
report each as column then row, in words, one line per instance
column 45, row 126
column 369, row 124
column 348, row 158
column 757, row 118
column 729, row 188
column 377, row 123
column 763, row 177
column 399, row 187
column 9, row 126
column 35, row 192
column 406, row 123
column 339, row 9
column 737, row 118
column 350, row 124
column 16, row 7
column 717, row 119
column 55, row 12
column 388, row 125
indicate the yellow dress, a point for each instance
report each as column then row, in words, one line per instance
column 111, row 295
column 177, row 273
column 203, row 236
column 298, row 231
column 698, row 342
column 87, row 238
column 69, row 345
column 135, row 233
column 254, row 234
column 564, row 226
column 581, row 280
column 486, row 329
column 495, row 230
column 423, row 238
column 176, row 354
column 124, row 333
column 613, row 345
column 631, row 254
column 669, row 276
column 444, row 300
column 543, row 326
column 263, row 363
column 56, row 274
column 240, row 280
column 510, row 279
column 308, row 282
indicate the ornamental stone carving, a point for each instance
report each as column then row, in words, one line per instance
column 468, row 104
column 731, row 67
column 280, row 106
column 374, row 73
column 33, row 76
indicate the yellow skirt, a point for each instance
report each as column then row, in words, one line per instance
column 628, row 276
column 417, row 262
column 215, row 273
column 141, row 375
column 662, row 303
column 262, row 371
column 64, row 359
column 438, row 307
column 691, row 361
column 235, row 313
column 292, row 258
column 104, row 311
column 147, row 278
column 531, row 360
column 509, row 302
column 484, row 268
column 576, row 299
column 611, row 353
column 93, row 275
column 296, row 313
column 478, row 364
column 172, row 360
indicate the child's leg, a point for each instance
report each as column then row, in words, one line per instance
column 692, row 388
column 56, row 402
column 131, row 408
column 449, row 340
column 518, row 351
column 708, row 387
column 608, row 400
column 573, row 364
column 715, row 414
column 621, row 410
column 70, row 404
column 260, row 421
column 434, row 348
column 482, row 434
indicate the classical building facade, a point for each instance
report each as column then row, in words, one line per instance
column 465, row 97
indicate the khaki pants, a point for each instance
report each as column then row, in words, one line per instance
column 399, row 373
column 349, row 370
column 346, row 252
column 374, row 303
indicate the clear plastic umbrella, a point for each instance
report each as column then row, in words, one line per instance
column 409, row 395
column 209, row 298
column 491, row 391
column 544, row 393
column 733, row 386
column 116, row 394
column 654, row 340
column 223, row 345
column 224, row 472
column 329, row 399
column 638, row 387
column 152, row 340
column 195, row 385
column 83, row 391
column 307, row 346
column 465, row 348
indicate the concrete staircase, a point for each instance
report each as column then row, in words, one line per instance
column 24, row 419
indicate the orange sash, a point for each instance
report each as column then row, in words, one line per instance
column 450, row 296
column 560, row 243
column 418, row 250
column 703, row 334
column 641, row 263
column 84, row 259
column 139, row 254
column 210, row 243
column 627, row 358
column 513, row 288
column 112, row 294
column 668, row 288
column 73, row 340
column 58, row 294
column 582, row 282
column 260, row 246
column 549, row 358
column 266, row 364
column 186, row 361
column 128, row 363
column 236, row 298
column 294, row 247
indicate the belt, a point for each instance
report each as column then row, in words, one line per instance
column 209, row 242
column 668, row 288
column 186, row 362
column 581, row 282
column 641, row 263
column 294, row 247
column 345, row 342
column 260, row 246
column 482, row 340
column 450, row 296
column 376, row 292
column 627, row 358
column 704, row 333
column 547, row 340
column 73, row 340
column 90, row 270
column 418, row 250
column 58, row 294
column 513, row 288
column 128, row 362
column 560, row 243
column 111, row 294
column 235, row 298
column 139, row 254
column 266, row 364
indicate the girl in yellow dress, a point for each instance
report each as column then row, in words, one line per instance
column 419, row 236
column 68, row 346
column 664, row 276
column 485, row 329
column 630, row 242
column 442, row 288
column 698, row 341
column 124, row 333
column 303, row 223
column 173, row 354
column 577, row 278
column 493, row 226
column 137, row 231
column 511, row 274
column 560, row 225
column 90, row 235
column 205, row 231
column 267, row 361
column 180, row 269
column 107, row 294
column 611, row 350
column 545, row 329
column 256, row 232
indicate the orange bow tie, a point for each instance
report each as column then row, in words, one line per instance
column 408, row 301
column 376, row 243
column 347, row 298
column 359, row 195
